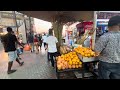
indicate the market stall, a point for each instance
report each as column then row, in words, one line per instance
column 75, row 60
column 78, row 57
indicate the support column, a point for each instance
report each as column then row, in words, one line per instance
column 25, row 27
column 16, row 22
column 94, row 27
column 30, row 25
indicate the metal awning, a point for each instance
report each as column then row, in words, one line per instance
column 48, row 15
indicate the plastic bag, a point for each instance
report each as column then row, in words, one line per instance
column 27, row 47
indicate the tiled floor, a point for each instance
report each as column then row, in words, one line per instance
column 36, row 66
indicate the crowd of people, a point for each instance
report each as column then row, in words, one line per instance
column 35, row 41
column 49, row 41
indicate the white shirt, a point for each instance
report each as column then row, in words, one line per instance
column 44, row 38
column 51, row 41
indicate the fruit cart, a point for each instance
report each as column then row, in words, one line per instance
column 87, row 57
column 75, row 61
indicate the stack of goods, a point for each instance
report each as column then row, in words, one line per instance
column 68, row 61
column 85, row 52
column 64, row 49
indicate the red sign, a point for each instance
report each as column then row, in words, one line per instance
column 88, row 25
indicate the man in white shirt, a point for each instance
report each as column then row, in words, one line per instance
column 51, row 42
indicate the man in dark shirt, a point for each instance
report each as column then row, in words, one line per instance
column 31, row 41
column 9, row 42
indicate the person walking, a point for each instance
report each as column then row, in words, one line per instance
column 51, row 42
column 9, row 42
column 36, row 42
column 108, row 50
column 31, row 41
column 44, row 40
column 40, row 40
column 17, row 47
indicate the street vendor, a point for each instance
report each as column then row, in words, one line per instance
column 108, row 49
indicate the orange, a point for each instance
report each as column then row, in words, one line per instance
column 73, row 66
column 88, row 55
column 74, row 63
column 69, row 66
column 76, row 66
column 70, row 62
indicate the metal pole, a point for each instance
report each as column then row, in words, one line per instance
column 16, row 22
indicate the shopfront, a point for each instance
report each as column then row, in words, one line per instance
column 102, row 25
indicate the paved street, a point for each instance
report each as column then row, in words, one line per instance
column 35, row 67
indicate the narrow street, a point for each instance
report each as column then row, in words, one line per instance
column 36, row 66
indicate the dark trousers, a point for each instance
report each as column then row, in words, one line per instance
column 52, row 57
column 109, row 70
column 45, row 44
column 48, row 56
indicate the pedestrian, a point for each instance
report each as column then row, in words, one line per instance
column 51, row 42
column 17, row 48
column 36, row 42
column 31, row 41
column 48, row 54
column 9, row 42
column 108, row 50
column 44, row 40
column 40, row 40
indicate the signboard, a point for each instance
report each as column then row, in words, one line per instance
column 11, row 15
column 102, row 22
column 106, row 15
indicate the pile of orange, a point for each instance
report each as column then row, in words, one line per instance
column 84, row 51
column 68, row 61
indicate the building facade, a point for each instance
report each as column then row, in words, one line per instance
column 20, row 23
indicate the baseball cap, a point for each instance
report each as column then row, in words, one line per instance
column 115, row 20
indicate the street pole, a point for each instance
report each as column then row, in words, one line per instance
column 16, row 22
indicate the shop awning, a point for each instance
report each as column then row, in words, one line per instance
column 48, row 15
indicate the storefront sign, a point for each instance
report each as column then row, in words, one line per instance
column 102, row 22
column 105, row 15
column 10, row 15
